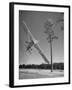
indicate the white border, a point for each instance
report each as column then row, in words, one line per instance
column 16, row 45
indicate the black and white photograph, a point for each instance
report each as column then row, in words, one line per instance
column 41, row 44
column 40, row 54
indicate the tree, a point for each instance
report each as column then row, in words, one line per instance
column 48, row 25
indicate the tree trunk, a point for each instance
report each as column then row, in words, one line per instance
column 51, row 54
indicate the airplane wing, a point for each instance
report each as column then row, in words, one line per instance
column 31, row 37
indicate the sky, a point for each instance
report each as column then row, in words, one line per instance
column 35, row 21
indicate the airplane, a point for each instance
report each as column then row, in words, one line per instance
column 33, row 42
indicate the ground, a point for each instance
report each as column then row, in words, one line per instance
column 39, row 73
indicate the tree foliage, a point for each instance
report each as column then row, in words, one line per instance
column 48, row 25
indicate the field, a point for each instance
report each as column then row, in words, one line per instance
column 39, row 73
